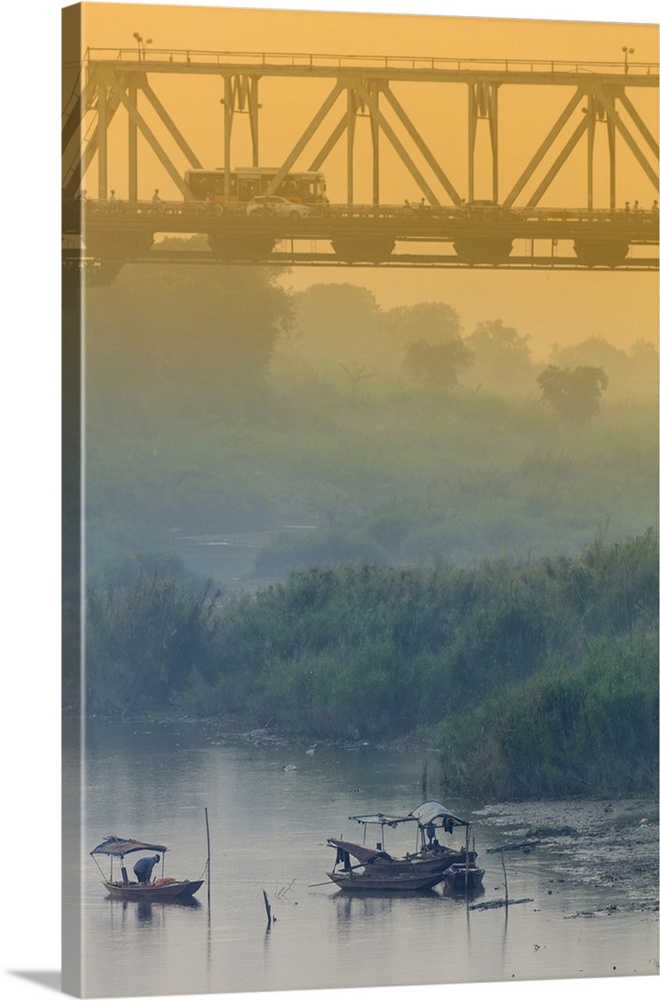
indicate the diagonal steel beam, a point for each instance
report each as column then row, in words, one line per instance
column 559, row 162
column 164, row 159
column 543, row 148
column 421, row 145
column 88, row 147
column 170, row 125
column 608, row 104
column 86, row 139
column 396, row 142
column 330, row 143
column 641, row 125
column 72, row 122
column 306, row 136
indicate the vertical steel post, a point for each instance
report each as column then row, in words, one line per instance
column 227, row 135
column 493, row 122
column 102, row 96
column 591, row 135
column 132, row 146
column 611, row 138
column 350, row 143
column 253, row 106
column 472, row 135
column 375, row 146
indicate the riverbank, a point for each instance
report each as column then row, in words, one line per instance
column 596, row 841
column 609, row 843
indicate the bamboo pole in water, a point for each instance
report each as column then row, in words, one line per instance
column 208, row 856
column 267, row 905
column 467, row 855
column 506, row 884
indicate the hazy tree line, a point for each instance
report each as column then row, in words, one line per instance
column 427, row 498
column 426, row 342
column 532, row 678
column 217, row 402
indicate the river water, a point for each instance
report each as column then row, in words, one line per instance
column 271, row 807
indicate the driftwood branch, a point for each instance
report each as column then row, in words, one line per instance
column 495, row 904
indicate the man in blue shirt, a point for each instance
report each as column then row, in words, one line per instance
column 144, row 867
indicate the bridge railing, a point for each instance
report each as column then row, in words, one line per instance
column 462, row 213
column 298, row 60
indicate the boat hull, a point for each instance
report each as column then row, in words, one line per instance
column 150, row 893
column 372, row 882
column 457, row 880
column 421, row 864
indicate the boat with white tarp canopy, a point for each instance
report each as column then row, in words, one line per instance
column 430, row 858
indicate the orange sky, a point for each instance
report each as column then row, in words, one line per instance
column 551, row 307
column 235, row 29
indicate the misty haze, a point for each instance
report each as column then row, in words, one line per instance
column 364, row 455
column 322, row 429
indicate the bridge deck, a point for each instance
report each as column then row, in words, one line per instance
column 393, row 235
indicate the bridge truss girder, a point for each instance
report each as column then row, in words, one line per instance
column 593, row 98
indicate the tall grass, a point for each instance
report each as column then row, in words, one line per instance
column 591, row 730
column 533, row 678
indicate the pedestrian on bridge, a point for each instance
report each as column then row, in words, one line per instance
column 157, row 202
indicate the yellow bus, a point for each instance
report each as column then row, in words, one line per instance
column 246, row 183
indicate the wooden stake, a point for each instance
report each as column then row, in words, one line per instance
column 267, row 905
column 506, row 884
column 208, row 856
column 467, row 856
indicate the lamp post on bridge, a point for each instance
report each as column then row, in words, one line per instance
column 626, row 52
column 142, row 45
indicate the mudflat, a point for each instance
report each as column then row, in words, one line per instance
column 613, row 844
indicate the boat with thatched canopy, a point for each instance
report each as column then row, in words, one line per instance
column 160, row 889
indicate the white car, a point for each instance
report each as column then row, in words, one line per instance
column 273, row 204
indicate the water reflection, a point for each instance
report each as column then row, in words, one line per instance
column 461, row 895
column 146, row 911
column 220, row 944
column 366, row 906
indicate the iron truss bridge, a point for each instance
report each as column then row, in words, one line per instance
column 123, row 110
column 394, row 235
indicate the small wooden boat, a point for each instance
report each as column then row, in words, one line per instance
column 160, row 889
column 461, row 878
column 153, row 892
column 428, row 818
column 365, row 869
column 380, row 862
